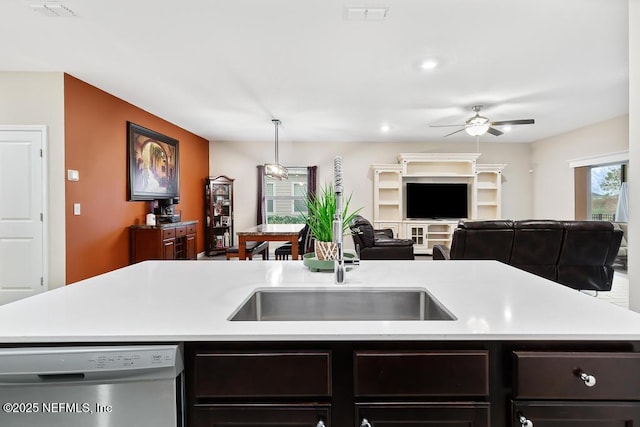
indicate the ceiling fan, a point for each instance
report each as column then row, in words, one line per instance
column 479, row 125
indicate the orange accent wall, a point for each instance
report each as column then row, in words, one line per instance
column 97, row 240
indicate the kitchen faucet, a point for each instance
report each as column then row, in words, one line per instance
column 337, row 226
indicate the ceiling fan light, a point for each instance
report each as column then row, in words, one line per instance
column 477, row 126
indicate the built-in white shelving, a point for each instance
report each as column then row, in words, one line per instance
column 485, row 198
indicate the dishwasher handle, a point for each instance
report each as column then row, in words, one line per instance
column 61, row 377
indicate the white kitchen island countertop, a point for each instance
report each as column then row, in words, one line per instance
column 159, row 301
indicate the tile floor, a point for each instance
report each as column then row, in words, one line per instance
column 619, row 293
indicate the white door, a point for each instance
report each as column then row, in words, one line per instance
column 21, row 212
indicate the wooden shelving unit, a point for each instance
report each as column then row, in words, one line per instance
column 218, row 214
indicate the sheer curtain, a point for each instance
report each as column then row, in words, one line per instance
column 622, row 210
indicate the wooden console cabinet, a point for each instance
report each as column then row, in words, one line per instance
column 164, row 241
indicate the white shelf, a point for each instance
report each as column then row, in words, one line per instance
column 484, row 183
column 388, row 186
column 439, row 175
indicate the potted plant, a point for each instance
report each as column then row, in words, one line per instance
column 321, row 209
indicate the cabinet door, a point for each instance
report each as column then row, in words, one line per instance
column 260, row 415
column 191, row 246
column 267, row 374
column 421, row 374
column 459, row 414
column 563, row 375
column 169, row 249
column 573, row 414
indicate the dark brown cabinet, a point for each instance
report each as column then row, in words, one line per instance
column 265, row 388
column 218, row 214
column 163, row 242
column 420, row 380
column 559, row 388
column 413, row 384
column 337, row 386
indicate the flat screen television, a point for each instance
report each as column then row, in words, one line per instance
column 436, row 200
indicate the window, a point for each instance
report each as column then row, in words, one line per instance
column 604, row 185
column 600, row 187
column 284, row 200
column 270, row 189
column 298, row 205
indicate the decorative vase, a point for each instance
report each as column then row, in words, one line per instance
column 326, row 250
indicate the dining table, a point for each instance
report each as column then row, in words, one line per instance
column 269, row 232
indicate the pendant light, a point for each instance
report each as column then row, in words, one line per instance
column 276, row 170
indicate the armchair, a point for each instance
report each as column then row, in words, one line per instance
column 378, row 244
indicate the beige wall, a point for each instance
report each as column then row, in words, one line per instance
column 553, row 178
column 38, row 99
column 634, row 153
column 239, row 161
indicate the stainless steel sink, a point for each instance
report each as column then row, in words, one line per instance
column 287, row 304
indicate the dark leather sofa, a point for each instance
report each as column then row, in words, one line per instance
column 578, row 254
column 378, row 244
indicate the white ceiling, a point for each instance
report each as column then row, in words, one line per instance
column 224, row 68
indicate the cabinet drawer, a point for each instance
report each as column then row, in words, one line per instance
column 575, row 414
column 168, row 233
column 557, row 375
column 263, row 374
column 458, row 373
column 467, row 414
column 191, row 228
column 181, row 231
column 291, row 415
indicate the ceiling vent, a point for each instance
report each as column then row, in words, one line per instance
column 52, row 9
column 366, row 13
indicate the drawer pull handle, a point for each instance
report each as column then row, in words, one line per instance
column 365, row 423
column 320, row 424
column 589, row 380
column 524, row 421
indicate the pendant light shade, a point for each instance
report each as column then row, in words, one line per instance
column 276, row 170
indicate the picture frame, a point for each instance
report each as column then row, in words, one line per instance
column 153, row 164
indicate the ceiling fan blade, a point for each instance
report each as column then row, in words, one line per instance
column 449, row 134
column 442, row 126
column 513, row 122
column 494, row 131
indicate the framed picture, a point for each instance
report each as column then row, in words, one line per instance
column 153, row 164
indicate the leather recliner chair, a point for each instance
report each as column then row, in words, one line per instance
column 378, row 244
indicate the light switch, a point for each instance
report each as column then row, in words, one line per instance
column 73, row 175
column 76, row 208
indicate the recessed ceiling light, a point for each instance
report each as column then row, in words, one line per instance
column 366, row 13
column 506, row 129
column 52, row 9
column 385, row 128
column 428, row 64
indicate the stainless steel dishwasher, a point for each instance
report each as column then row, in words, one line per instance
column 101, row 386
